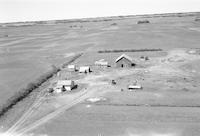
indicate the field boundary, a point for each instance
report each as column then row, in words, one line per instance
column 129, row 50
column 146, row 105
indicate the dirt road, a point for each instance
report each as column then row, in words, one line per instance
column 26, row 115
column 93, row 86
column 53, row 114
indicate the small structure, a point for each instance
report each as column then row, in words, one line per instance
column 113, row 82
column 102, row 63
column 124, row 61
column 64, row 85
column 134, row 87
column 71, row 67
column 84, row 69
column 144, row 58
column 50, row 90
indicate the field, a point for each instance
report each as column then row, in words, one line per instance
column 168, row 104
column 35, row 48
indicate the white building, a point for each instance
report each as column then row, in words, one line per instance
column 134, row 87
column 71, row 67
column 84, row 69
column 101, row 62
column 64, row 85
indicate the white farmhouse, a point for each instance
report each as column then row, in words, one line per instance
column 64, row 85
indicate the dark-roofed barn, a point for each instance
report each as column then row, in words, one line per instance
column 124, row 61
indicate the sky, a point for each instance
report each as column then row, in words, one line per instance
column 34, row 10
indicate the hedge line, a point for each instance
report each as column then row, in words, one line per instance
column 129, row 50
column 72, row 60
column 20, row 95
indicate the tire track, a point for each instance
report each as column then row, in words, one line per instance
column 52, row 114
column 93, row 87
column 26, row 115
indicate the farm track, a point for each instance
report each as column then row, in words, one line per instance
column 26, row 115
column 53, row 114
column 84, row 95
column 34, row 106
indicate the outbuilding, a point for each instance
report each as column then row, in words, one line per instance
column 134, row 87
column 101, row 63
column 124, row 61
column 84, row 69
column 64, row 85
column 71, row 67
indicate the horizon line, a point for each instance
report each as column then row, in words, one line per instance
column 128, row 15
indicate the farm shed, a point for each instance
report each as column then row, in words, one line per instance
column 84, row 69
column 124, row 61
column 64, row 85
column 102, row 63
column 71, row 67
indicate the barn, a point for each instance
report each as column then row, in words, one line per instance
column 124, row 61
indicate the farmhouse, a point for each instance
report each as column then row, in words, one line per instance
column 124, row 61
column 64, row 85
column 84, row 69
column 102, row 63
